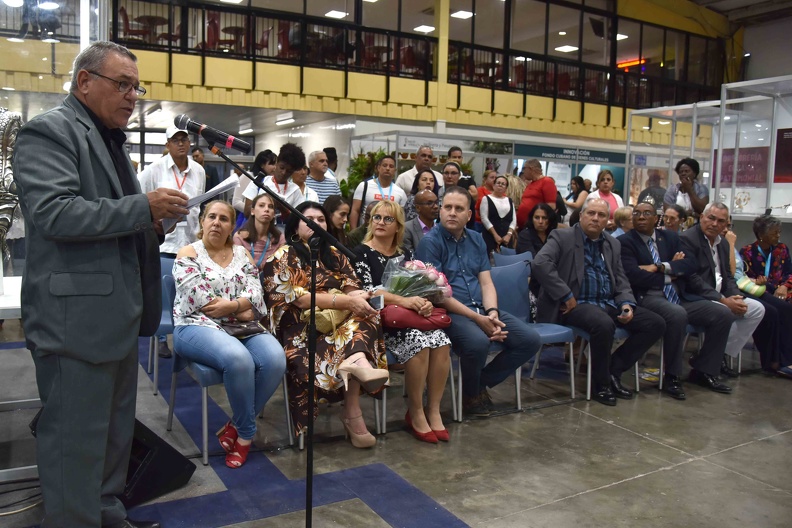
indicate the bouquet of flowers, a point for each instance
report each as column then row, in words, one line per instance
column 414, row 278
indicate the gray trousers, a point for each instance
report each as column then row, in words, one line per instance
column 716, row 320
column 84, row 438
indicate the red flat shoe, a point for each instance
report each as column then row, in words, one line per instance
column 227, row 436
column 429, row 437
column 443, row 435
column 238, row 455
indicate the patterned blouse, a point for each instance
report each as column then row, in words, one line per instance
column 200, row 279
column 780, row 265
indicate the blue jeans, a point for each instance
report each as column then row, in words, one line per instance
column 252, row 368
column 472, row 346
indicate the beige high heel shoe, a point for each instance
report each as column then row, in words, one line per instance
column 370, row 378
column 358, row 440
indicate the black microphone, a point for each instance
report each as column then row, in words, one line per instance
column 211, row 135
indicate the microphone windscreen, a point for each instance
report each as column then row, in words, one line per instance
column 181, row 121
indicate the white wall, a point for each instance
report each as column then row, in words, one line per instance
column 768, row 45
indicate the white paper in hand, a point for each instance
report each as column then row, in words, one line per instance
column 226, row 185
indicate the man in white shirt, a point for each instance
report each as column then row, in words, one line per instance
column 176, row 170
column 290, row 159
column 423, row 160
column 324, row 184
column 375, row 189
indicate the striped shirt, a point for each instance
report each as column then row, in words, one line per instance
column 325, row 188
column 597, row 288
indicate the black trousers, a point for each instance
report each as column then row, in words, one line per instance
column 772, row 336
column 645, row 329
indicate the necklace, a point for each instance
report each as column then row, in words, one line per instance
column 222, row 256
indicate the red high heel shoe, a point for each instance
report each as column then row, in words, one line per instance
column 442, row 435
column 429, row 437
column 238, row 455
column 227, row 436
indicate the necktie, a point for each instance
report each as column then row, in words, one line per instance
column 668, row 290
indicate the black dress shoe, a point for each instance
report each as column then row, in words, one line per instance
column 672, row 386
column 708, row 381
column 728, row 371
column 605, row 396
column 474, row 407
column 618, row 389
column 163, row 350
column 129, row 523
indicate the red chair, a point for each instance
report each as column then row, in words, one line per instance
column 129, row 32
column 171, row 37
column 285, row 49
column 263, row 43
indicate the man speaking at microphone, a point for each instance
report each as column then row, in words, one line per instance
column 91, row 285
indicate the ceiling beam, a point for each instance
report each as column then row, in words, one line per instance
column 765, row 8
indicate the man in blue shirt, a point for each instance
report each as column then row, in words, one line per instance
column 583, row 285
column 461, row 254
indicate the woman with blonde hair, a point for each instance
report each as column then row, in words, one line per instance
column 425, row 354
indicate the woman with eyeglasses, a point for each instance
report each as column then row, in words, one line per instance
column 425, row 355
column 349, row 358
column 424, row 180
column 499, row 217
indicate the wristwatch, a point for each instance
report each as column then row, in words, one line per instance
column 660, row 268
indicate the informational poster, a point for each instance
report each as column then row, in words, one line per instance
column 783, row 161
column 751, row 167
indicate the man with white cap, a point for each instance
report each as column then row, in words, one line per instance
column 175, row 170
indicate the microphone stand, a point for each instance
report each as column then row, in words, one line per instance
column 318, row 234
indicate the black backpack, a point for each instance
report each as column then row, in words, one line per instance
column 561, row 209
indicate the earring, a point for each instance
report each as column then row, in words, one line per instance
column 295, row 238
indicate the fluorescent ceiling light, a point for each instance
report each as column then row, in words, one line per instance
column 335, row 14
column 14, row 39
column 231, row 1
column 14, row 3
column 464, row 15
column 523, row 59
column 245, row 131
column 566, row 49
column 761, row 139
column 48, row 6
column 663, row 122
column 747, row 55
column 370, row 1
column 757, row 125
column 647, row 128
column 562, row 33
column 619, row 36
column 284, row 122
column 423, row 28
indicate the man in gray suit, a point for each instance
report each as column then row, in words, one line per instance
column 427, row 207
column 583, row 285
column 90, row 286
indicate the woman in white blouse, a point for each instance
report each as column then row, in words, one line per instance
column 498, row 217
column 217, row 281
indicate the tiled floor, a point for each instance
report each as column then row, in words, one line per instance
column 711, row 461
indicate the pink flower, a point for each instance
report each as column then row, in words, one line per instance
column 432, row 275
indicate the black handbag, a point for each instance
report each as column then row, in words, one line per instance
column 243, row 329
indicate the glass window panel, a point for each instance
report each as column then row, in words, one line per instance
column 416, row 13
column 563, row 32
column 628, row 45
column 674, row 62
column 528, row 26
column 458, row 28
column 697, row 57
column 290, row 6
column 489, row 23
column 651, row 51
column 320, row 8
column 714, row 63
column 380, row 14
column 596, row 41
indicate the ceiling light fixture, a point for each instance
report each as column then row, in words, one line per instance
column 50, row 40
column 629, row 63
column 647, row 128
column 562, row 33
column 284, row 122
column 566, row 49
column 284, row 119
column 14, row 3
column 8, row 88
column 336, row 14
column 15, row 39
column 245, row 131
column 619, row 36
column 523, row 59
column 48, row 5
column 423, row 28
column 370, row 1
column 664, row 122
column 231, row 1
column 462, row 15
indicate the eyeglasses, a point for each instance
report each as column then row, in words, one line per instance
column 179, row 140
column 123, row 86
column 645, row 214
column 379, row 218
column 431, row 203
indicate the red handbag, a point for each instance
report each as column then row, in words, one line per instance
column 398, row 317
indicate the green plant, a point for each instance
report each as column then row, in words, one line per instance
column 360, row 168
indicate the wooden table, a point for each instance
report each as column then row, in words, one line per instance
column 151, row 23
column 237, row 32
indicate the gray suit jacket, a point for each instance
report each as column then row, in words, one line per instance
column 412, row 234
column 82, row 291
column 701, row 285
column 559, row 269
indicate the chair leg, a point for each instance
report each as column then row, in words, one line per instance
column 156, row 372
column 384, row 413
column 572, row 368
column 588, row 372
column 289, row 425
column 459, row 394
column 205, row 423
column 152, row 353
column 739, row 362
column 637, row 378
column 454, row 410
column 661, row 373
column 377, row 414
column 535, row 366
column 301, row 441
column 172, row 401
column 517, row 386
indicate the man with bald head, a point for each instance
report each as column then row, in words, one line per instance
column 583, row 285
column 324, row 184
column 427, row 207
column 423, row 161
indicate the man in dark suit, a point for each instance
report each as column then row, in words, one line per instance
column 583, row 285
column 657, row 270
column 91, row 286
column 426, row 205
column 713, row 279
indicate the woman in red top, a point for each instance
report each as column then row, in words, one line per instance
column 485, row 189
column 541, row 189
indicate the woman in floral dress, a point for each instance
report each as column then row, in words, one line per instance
column 347, row 352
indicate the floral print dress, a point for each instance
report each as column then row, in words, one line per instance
column 285, row 279
column 780, row 266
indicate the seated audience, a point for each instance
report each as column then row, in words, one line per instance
column 344, row 357
column 217, row 281
column 575, row 199
column 499, row 217
column 623, row 220
column 604, row 191
column 428, row 209
column 691, row 195
column 337, row 208
column 583, row 285
column 713, row 280
column 424, row 179
column 259, row 234
column 674, row 218
column 767, row 261
column 541, row 222
column 461, row 254
column 425, row 355
column 380, row 187
column 657, row 270
column 540, row 188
